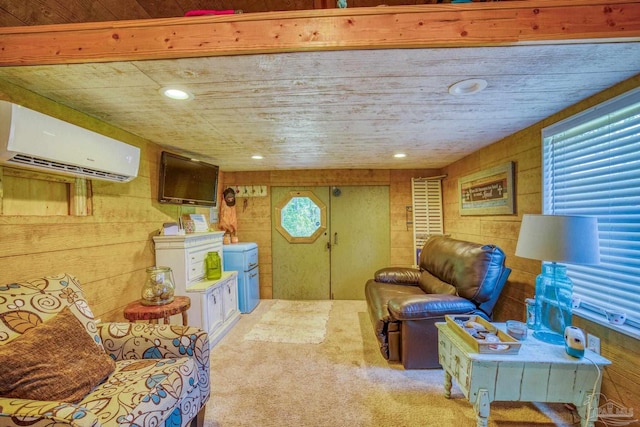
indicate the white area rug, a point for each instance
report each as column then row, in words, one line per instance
column 292, row 322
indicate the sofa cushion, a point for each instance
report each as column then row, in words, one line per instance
column 56, row 360
column 397, row 275
column 378, row 295
column 428, row 306
column 144, row 392
column 474, row 269
column 430, row 284
column 26, row 304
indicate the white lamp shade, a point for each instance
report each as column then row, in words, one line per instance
column 559, row 238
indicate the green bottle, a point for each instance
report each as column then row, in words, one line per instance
column 214, row 268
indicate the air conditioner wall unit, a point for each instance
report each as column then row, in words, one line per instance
column 36, row 141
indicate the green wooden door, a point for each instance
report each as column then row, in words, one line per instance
column 341, row 258
column 300, row 268
column 359, row 236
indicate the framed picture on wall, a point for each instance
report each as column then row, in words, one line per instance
column 488, row 192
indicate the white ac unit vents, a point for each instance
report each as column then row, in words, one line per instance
column 34, row 140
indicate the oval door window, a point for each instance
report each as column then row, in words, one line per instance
column 301, row 217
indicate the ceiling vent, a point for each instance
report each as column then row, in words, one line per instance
column 36, row 141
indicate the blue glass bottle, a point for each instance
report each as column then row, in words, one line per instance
column 554, row 291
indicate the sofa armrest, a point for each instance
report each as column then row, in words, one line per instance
column 398, row 275
column 420, row 307
column 152, row 341
column 21, row 412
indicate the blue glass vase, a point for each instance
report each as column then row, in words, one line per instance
column 554, row 291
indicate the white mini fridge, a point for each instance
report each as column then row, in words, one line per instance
column 243, row 258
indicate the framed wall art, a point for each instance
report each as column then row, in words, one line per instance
column 488, row 192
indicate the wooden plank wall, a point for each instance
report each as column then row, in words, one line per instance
column 254, row 218
column 107, row 251
column 622, row 378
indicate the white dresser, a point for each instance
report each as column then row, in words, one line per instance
column 214, row 303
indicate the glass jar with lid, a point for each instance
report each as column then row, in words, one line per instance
column 159, row 287
column 214, row 265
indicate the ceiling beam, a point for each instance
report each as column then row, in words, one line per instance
column 441, row 25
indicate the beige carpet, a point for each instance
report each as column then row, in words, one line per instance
column 343, row 381
column 292, row 322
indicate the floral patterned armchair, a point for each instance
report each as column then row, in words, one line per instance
column 159, row 374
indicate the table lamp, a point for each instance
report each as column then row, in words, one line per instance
column 556, row 238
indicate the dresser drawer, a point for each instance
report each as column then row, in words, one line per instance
column 461, row 369
column 196, row 265
column 455, row 361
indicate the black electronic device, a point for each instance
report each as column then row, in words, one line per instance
column 185, row 181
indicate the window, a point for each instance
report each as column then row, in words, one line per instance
column 591, row 166
column 301, row 217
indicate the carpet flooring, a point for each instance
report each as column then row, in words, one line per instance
column 341, row 381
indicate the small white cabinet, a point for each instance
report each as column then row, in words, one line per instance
column 214, row 303
column 230, row 297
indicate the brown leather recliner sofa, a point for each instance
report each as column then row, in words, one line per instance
column 454, row 277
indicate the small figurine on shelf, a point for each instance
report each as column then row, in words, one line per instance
column 228, row 218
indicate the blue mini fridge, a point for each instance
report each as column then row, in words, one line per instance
column 243, row 258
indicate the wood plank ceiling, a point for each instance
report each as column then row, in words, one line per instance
column 310, row 103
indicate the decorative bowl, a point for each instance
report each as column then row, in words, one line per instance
column 517, row 329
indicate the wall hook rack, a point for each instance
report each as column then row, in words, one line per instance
column 250, row 190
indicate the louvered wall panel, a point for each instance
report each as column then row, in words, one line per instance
column 427, row 210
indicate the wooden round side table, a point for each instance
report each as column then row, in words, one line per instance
column 137, row 311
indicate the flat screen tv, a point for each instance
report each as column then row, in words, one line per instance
column 185, row 181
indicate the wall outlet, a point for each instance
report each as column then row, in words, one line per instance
column 593, row 343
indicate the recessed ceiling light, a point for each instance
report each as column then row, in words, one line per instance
column 257, row 157
column 468, row 87
column 400, row 155
column 176, row 93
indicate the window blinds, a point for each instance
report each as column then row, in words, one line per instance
column 427, row 210
column 591, row 166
